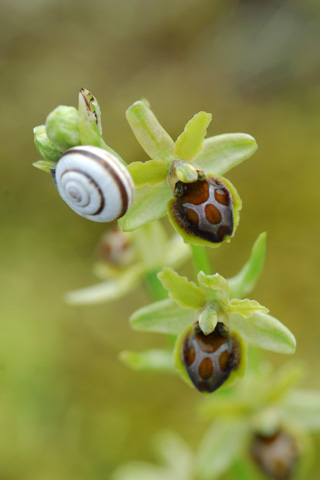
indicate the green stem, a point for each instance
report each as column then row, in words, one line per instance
column 154, row 286
column 201, row 260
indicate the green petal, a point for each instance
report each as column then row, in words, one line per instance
column 264, row 331
column 190, row 142
column 151, row 172
column 216, row 283
column 244, row 307
column 220, row 447
column 108, row 291
column 181, row 290
column 161, row 317
column 149, row 360
column 223, row 152
column 150, row 203
column 245, row 281
column 149, row 133
column 49, row 151
column 44, row 165
column 303, row 407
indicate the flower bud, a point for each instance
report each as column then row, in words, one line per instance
column 47, row 149
column 210, row 359
column 276, row 454
column 62, row 126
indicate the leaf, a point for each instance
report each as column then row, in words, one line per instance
column 220, row 447
column 149, row 203
column 190, row 142
column 150, row 172
column 223, row 152
column 108, row 291
column 244, row 307
column 216, row 283
column 303, row 407
column 245, row 281
column 208, row 319
column 181, row 290
column 264, row 331
column 148, row 361
column 162, row 317
column 44, row 165
column 149, row 133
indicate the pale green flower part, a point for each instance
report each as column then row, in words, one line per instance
column 215, row 155
column 264, row 402
column 152, row 248
column 211, row 301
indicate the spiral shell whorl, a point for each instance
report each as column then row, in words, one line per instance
column 94, row 183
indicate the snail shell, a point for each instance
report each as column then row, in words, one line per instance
column 94, row 183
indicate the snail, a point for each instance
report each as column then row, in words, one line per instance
column 94, row 183
column 204, row 208
column 209, row 359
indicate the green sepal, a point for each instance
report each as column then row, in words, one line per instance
column 303, row 407
column 264, row 331
column 175, row 454
column 150, row 244
column 140, row 471
column 245, row 281
column 45, row 147
column 181, row 290
column 62, row 126
column 44, row 165
column 223, row 152
column 190, row 142
column 216, row 283
column 161, row 317
column 177, row 355
column 156, row 142
column 219, row 448
column 150, row 172
column 208, row 319
column 108, row 291
column 148, row 361
column 244, row 307
column 150, row 203
column 281, row 383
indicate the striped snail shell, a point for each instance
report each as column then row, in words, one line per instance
column 94, row 183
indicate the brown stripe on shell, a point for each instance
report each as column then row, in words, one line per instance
column 112, row 172
column 102, row 202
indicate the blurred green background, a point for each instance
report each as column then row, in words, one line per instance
column 68, row 408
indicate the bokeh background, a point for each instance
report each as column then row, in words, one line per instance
column 68, row 408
